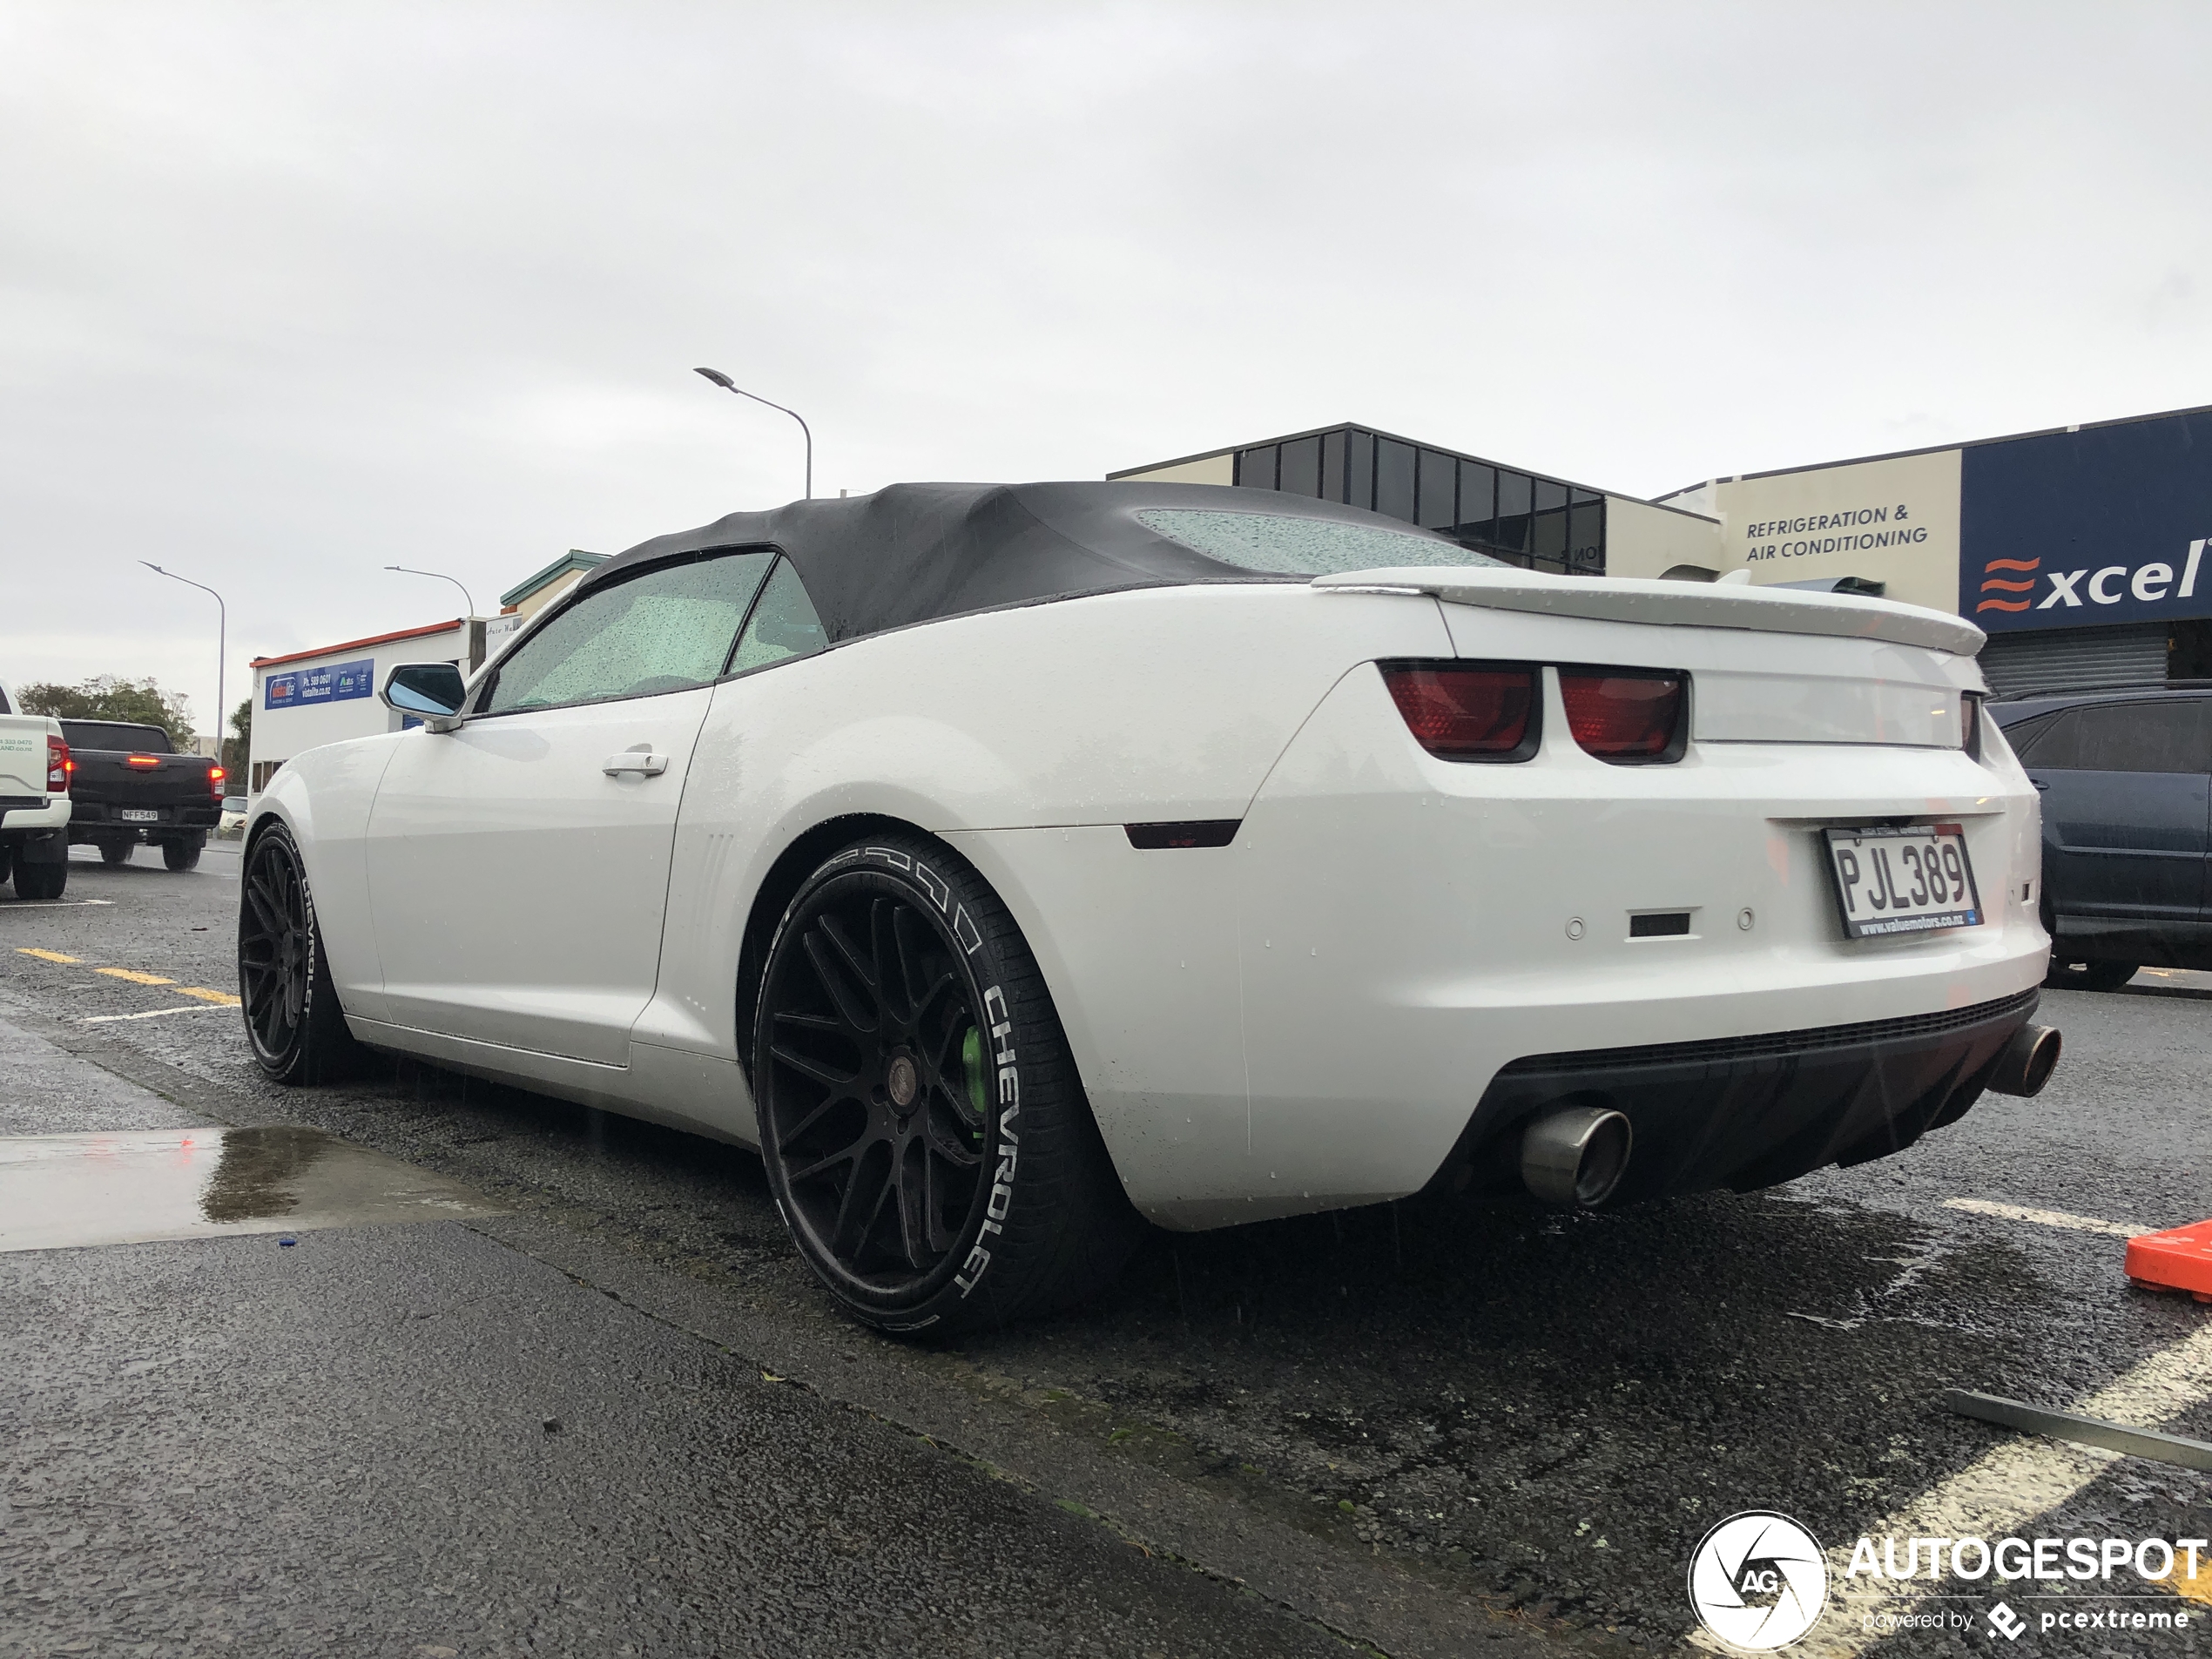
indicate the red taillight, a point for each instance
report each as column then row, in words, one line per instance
column 1624, row 715
column 59, row 766
column 215, row 776
column 1474, row 712
column 143, row 762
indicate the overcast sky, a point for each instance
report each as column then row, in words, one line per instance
column 291, row 292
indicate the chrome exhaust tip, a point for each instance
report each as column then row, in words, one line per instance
column 1576, row 1157
column 2024, row 1064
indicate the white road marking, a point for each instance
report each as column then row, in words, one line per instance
column 2044, row 1217
column 156, row 1014
column 53, row 904
column 1998, row 1497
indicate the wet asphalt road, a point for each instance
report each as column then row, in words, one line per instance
column 1428, row 1430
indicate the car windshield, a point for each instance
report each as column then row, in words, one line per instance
column 1297, row 546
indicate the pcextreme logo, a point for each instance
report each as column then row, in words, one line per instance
column 1758, row 1581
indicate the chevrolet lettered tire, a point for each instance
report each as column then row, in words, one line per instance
column 294, row 1023
column 926, row 1135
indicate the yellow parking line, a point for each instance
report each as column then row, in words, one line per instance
column 207, row 995
column 2196, row 1586
column 134, row 976
column 46, row 955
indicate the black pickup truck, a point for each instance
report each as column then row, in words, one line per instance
column 131, row 785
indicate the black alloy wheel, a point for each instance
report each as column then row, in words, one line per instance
column 924, row 1133
column 294, row 1023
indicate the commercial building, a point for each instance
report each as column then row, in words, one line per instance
column 2078, row 549
column 309, row 697
column 1527, row 518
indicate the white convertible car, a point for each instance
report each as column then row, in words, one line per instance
column 1008, row 863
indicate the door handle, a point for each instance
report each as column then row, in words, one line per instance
column 2039, row 783
column 638, row 760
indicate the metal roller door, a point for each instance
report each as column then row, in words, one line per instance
column 2067, row 658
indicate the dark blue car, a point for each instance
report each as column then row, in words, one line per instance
column 2126, row 775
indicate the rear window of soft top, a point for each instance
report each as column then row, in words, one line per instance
column 1281, row 544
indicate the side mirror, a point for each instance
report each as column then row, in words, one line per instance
column 432, row 692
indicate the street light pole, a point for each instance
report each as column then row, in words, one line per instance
column 441, row 577
column 728, row 385
column 222, row 647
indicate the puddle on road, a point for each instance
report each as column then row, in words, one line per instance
column 132, row 1186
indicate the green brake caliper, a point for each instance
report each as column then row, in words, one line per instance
column 971, row 1060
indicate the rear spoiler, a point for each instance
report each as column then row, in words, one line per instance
column 1680, row 604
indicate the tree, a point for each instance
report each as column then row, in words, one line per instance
column 239, row 747
column 109, row 697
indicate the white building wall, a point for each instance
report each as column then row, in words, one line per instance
column 1894, row 521
column 1206, row 469
column 1648, row 541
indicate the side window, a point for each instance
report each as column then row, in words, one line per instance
column 2128, row 737
column 2054, row 746
column 784, row 624
column 2022, row 736
column 667, row 630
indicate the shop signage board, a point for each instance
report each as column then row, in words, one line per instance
column 2074, row 530
column 331, row 682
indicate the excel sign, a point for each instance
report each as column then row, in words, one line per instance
column 2073, row 528
column 337, row 683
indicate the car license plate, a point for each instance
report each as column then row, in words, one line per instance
column 1908, row 881
column 140, row 815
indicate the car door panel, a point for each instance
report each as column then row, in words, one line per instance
column 518, row 888
column 518, row 864
column 2128, row 821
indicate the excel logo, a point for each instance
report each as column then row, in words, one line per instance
column 2018, row 586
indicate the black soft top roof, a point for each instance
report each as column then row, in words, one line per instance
column 912, row 553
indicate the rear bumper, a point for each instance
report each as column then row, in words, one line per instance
column 98, row 819
column 52, row 816
column 1749, row 1112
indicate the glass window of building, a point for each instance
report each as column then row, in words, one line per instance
column 1394, row 478
column 1359, row 468
column 1509, row 530
column 1540, row 523
column 1478, row 501
column 1439, row 491
column 1586, row 533
column 1301, row 467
